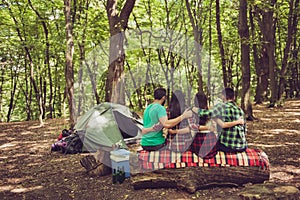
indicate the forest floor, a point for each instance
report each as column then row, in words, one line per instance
column 29, row 171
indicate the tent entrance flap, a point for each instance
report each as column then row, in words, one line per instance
column 126, row 125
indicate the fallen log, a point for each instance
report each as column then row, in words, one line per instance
column 192, row 179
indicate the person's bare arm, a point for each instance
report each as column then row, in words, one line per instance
column 179, row 131
column 169, row 123
column 164, row 122
column 203, row 128
column 147, row 130
column 229, row 124
column 156, row 127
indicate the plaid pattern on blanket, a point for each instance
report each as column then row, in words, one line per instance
column 152, row 160
column 204, row 145
column 179, row 142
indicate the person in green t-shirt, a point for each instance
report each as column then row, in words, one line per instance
column 156, row 113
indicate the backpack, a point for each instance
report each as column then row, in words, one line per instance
column 74, row 144
column 70, row 144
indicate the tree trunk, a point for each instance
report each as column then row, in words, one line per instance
column 47, row 60
column 198, row 42
column 209, row 85
column 220, row 42
column 193, row 178
column 268, row 30
column 29, row 58
column 83, row 21
column 258, row 98
column 245, row 60
column 1, row 89
column 13, row 83
column 263, row 70
column 291, row 32
column 69, row 71
column 115, row 88
column 295, row 69
column 80, row 75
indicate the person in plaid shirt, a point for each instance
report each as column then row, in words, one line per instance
column 231, row 139
column 205, row 141
column 181, row 137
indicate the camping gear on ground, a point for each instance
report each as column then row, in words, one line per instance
column 70, row 144
column 64, row 133
column 109, row 124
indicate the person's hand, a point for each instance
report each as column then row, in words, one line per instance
column 241, row 121
column 195, row 109
column 187, row 114
column 212, row 128
column 172, row 132
column 144, row 131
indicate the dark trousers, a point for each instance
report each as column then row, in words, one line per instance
column 222, row 147
column 154, row 148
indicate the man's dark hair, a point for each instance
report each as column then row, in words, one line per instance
column 229, row 93
column 159, row 93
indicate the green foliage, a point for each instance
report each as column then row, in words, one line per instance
column 159, row 48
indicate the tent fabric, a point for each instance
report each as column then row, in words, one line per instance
column 107, row 124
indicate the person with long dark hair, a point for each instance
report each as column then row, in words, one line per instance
column 155, row 113
column 179, row 137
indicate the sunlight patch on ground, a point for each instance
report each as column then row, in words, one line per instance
column 257, row 111
column 6, row 188
column 15, row 180
column 292, row 110
column 265, row 119
column 288, row 168
column 270, row 134
column 285, row 131
column 292, row 143
column 3, row 135
column 296, row 120
column 7, row 146
column 34, row 127
column 22, row 189
column 284, row 173
column 281, row 176
column 266, row 145
column 292, row 113
column 13, row 145
column 33, row 164
column 19, row 155
column 27, row 133
column 41, row 144
column 3, row 157
column 275, row 145
column 54, row 132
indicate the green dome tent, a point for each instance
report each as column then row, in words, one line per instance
column 108, row 124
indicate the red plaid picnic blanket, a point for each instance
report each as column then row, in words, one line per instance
column 204, row 144
column 152, row 160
